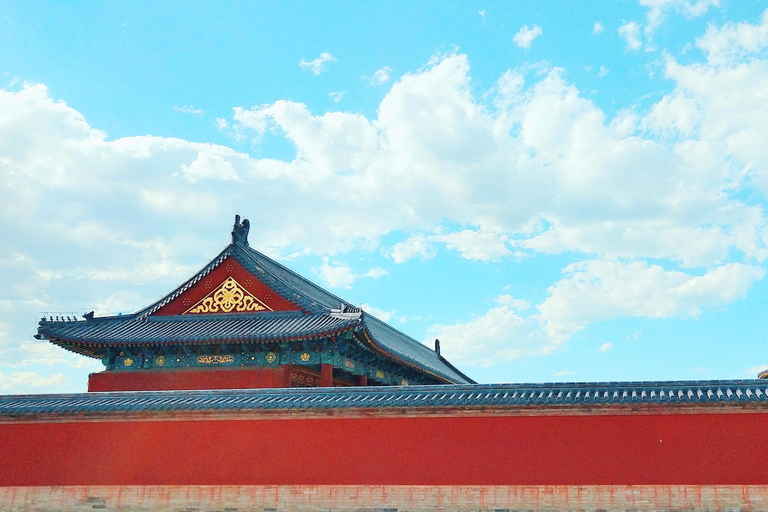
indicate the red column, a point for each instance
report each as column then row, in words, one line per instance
column 362, row 380
column 326, row 375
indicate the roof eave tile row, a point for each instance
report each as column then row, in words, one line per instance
column 500, row 396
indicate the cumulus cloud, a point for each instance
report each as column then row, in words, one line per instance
column 23, row 381
column 597, row 28
column 317, row 65
column 657, row 9
column 381, row 76
column 336, row 96
column 501, row 334
column 339, row 275
column 525, row 36
column 531, row 166
column 734, row 41
column 630, row 32
column 378, row 313
column 593, row 291
column 590, row 292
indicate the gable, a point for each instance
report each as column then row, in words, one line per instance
column 229, row 288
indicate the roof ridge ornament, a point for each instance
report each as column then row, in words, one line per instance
column 240, row 231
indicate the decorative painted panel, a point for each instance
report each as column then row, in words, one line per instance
column 229, row 288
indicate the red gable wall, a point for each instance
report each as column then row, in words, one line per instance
column 230, row 267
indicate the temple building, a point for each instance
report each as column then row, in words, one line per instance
column 246, row 321
column 249, row 388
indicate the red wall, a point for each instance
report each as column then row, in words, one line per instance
column 491, row 450
column 149, row 380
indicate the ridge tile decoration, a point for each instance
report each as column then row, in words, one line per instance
column 229, row 296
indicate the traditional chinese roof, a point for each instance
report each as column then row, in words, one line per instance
column 268, row 303
column 497, row 396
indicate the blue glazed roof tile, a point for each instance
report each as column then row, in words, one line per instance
column 197, row 328
column 461, row 395
column 317, row 320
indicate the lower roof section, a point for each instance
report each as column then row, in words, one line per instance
column 501, row 396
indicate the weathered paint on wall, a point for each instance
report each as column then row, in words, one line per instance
column 381, row 498
column 491, row 449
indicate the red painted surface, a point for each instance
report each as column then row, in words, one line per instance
column 326, row 375
column 157, row 380
column 229, row 267
column 669, row 449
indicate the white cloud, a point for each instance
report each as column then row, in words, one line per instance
column 516, row 304
column 755, row 370
column 317, row 65
column 734, row 41
column 416, row 245
column 591, row 291
column 499, row 335
column 474, row 245
column 564, row 373
column 597, row 28
column 336, row 96
column 381, row 76
column 376, row 273
column 382, row 315
column 658, row 8
column 22, row 381
column 598, row 290
column 221, row 123
column 630, row 32
column 525, row 36
column 603, row 71
column 339, row 275
column 188, row 109
column 533, row 167
column 208, row 166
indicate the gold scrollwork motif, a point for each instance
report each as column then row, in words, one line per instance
column 216, row 359
column 160, row 360
column 229, row 296
column 304, row 357
column 271, row 357
column 127, row 361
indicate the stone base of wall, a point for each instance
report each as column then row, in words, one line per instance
column 386, row 498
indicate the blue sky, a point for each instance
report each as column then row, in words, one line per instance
column 559, row 191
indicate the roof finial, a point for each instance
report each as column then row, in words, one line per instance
column 240, row 231
column 437, row 347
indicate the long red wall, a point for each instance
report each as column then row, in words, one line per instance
column 450, row 450
column 153, row 380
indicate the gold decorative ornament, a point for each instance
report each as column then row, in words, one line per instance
column 379, row 374
column 271, row 357
column 229, row 358
column 304, row 357
column 160, row 360
column 228, row 297
column 349, row 364
column 403, row 382
column 128, row 361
